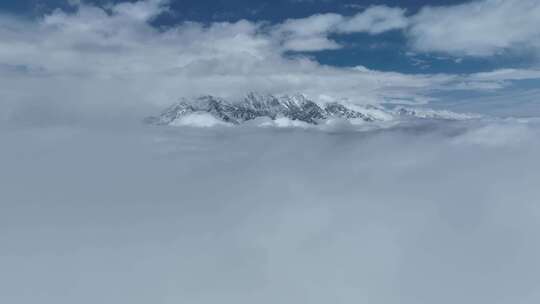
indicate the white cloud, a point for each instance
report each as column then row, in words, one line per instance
column 141, row 10
column 507, row 74
column 308, row 34
column 313, row 25
column 65, row 65
column 477, row 28
column 311, row 33
column 97, row 59
column 153, row 215
column 206, row 216
column 498, row 135
column 199, row 120
column 375, row 20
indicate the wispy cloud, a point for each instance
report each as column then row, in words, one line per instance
column 478, row 28
column 312, row 33
column 96, row 58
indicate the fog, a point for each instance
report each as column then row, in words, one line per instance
column 425, row 213
column 96, row 207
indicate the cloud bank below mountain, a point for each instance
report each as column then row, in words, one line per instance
column 432, row 213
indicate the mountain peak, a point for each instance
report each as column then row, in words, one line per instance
column 297, row 107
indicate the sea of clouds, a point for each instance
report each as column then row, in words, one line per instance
column 432, row 212
column 96, row 207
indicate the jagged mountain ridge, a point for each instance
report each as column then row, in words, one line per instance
column 293, row 107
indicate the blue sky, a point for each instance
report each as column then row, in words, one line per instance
column 367, row 51
column 229, row 10
column 388, row 51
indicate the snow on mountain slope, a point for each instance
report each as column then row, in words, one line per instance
column 297, row 110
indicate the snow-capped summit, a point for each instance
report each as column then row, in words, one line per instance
column 209, row 109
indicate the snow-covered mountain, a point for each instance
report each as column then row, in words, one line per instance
column 210, row 110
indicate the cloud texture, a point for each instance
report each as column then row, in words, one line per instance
column 478, row 28
column 430, row 212
column 434, row 213
column 109, row 62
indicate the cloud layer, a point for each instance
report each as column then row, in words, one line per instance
column 311, row 33
column 112, row 57
column 110, row 61
column 429, row 213
column 478, row 28
column 444, row 213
